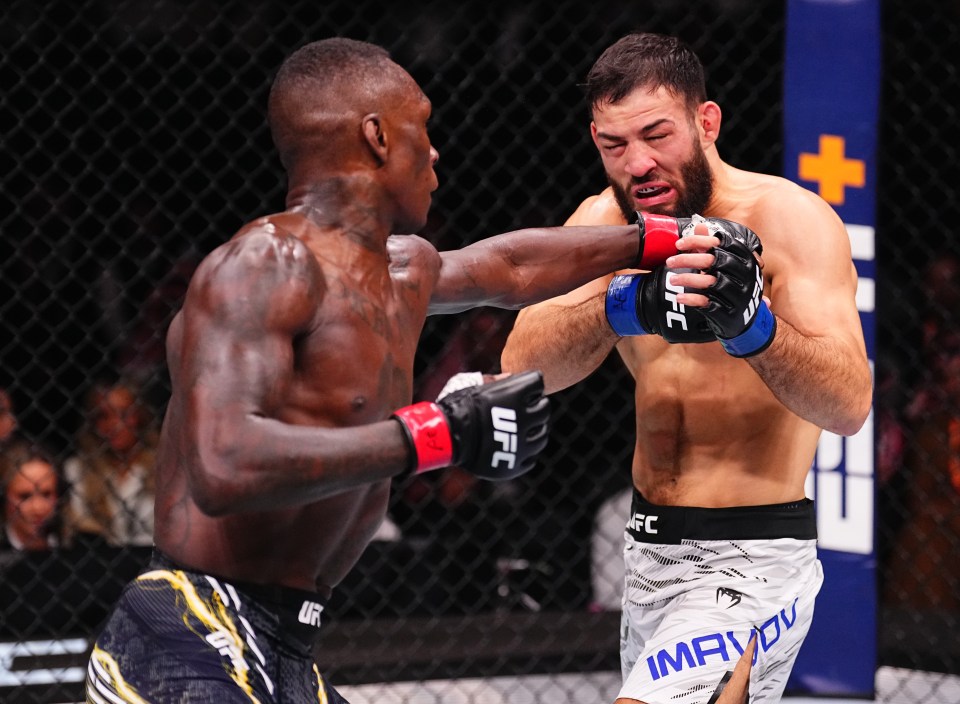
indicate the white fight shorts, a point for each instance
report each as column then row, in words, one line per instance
column 699, row 582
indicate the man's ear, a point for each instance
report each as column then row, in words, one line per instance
column 709, row 117
column 375, row 137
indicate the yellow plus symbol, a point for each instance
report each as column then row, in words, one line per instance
column 831, row 170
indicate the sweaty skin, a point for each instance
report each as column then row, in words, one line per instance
column 296, row 342
column 712, row 430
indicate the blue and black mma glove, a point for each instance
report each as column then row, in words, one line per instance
column 646, row 304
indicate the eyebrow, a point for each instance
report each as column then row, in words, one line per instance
column 645, row 129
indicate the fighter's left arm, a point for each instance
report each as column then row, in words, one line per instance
column 816, row 363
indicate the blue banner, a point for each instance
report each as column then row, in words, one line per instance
column 831, row 98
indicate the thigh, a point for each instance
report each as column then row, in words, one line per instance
column 679, row 646
column 167, row 642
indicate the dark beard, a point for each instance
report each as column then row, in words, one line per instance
column 692, row 198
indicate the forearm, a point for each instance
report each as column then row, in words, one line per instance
column 265, row 464
column 566, row 342
column 822, row 380
column 524, row 267
column 566, row 258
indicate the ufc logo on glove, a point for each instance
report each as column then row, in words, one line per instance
column 504, row 433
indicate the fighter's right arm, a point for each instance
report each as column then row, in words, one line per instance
column 566, row 337
column 246, row 304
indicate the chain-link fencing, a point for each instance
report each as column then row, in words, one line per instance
column 135, row 141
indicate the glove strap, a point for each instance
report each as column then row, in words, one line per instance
column 658, row 239
column 620, row 305
column 428, row 433
column 756, row 338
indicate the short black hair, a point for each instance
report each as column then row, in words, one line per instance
column 646, row 60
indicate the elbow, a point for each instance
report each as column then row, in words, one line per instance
column 213, row 496
column 851, row 418
column 214, row 486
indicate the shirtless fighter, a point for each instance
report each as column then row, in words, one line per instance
column 740, row 360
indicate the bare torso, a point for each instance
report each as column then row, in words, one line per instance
column 353, row 365
column 709, row 431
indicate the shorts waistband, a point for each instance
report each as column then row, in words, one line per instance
column 650, row 523
column 298, row 610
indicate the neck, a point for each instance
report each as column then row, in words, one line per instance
column 351, row 206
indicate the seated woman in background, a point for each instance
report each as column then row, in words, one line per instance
column 8, row 421
column 34, row 518
column 112, row 473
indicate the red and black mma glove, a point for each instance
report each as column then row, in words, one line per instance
column 737, row 312
column 494, row 430
column 646, row 304
column 659, row 235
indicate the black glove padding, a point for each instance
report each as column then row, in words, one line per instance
column 659, row 312
column 498, row 429
column 735, row 297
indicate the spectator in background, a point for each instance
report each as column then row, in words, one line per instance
column 142, row 357
column 112, row 473
column 941, row 286
column 30, row 496
column 8, row 421
column 34, row 518
column 924, row 572
column 941, row 279
column 52, row 562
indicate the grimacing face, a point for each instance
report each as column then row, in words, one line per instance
column 652, row 155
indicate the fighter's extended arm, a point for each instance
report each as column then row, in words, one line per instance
column 815, row 363
column 518, row 268
column 566, row 337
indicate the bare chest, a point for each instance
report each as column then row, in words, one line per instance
column 355, row 365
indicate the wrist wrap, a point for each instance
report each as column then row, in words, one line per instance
column 756, row 338
column 428, row 433
column 620, row 305
column 658, row 239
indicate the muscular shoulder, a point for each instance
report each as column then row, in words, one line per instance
column 601, row 209
column 801, row 233
column 785, row 215
column 410, row 252
column 265, row 266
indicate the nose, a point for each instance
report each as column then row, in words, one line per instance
column 639, row 161
column 434, row 156
column 35, row 508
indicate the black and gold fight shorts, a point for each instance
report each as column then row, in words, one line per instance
column 180, row 636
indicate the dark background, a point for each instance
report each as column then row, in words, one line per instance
column 134, row 142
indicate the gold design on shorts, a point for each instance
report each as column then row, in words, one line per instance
column 223, row 633
column 321, row 688
column 102, row 664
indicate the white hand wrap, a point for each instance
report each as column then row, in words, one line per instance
column 463, row 380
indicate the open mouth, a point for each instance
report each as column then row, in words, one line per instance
column 650, row 191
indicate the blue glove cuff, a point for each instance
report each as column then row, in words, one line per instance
column 756, row 338
column 621, row 305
